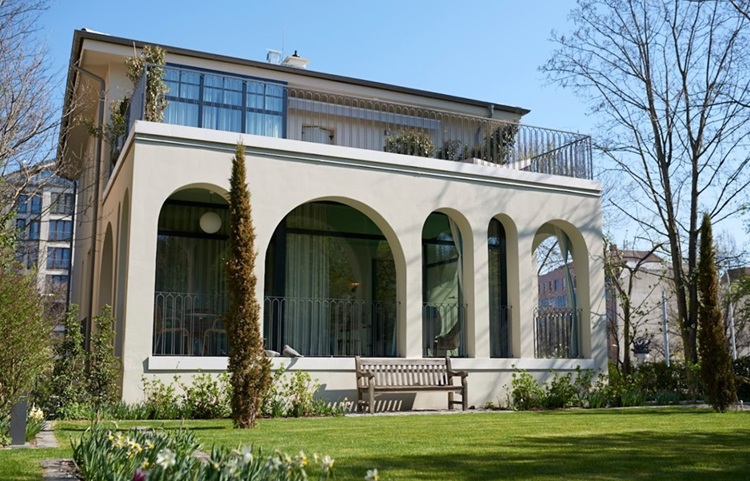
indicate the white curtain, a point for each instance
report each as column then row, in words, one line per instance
column 307, row 282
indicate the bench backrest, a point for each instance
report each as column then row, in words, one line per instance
column 405, row 372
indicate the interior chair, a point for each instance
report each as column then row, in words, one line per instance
column 215, row 340
column 444, row 343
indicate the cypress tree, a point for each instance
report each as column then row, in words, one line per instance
column 716, row 363
column 249, row 369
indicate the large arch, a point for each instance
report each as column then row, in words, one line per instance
column 331, row 281
column 190, row 295
column 561, row 319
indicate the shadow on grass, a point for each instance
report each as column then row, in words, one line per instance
column 640, row 455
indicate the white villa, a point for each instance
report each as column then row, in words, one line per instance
column 390, row 222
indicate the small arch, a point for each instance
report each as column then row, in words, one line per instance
column 123, row 249
column 106, row 269
column 561, row 263
column 331, row 285
column 503, row 286
column 446, row 289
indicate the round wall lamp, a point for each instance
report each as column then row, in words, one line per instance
column 210, row 222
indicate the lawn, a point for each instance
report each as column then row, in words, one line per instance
column 664, row 443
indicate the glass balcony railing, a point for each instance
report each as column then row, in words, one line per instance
column 239, row 104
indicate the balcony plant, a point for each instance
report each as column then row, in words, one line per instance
column 409, row 142
column 497, row 145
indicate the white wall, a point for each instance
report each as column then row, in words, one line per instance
column 398, row 193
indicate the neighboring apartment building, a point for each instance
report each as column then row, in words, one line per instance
column 389, row 222
column 44, row 222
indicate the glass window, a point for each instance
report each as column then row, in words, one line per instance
column 62, row 203
column 22, row 201
column 498, row 286
column 57, row 280
column 21, row 227
column 442, row 305
column 330, row 284
column 60, row 230
column 222, row 102
column 36, row 204
column 58, row 258
column 33, row 230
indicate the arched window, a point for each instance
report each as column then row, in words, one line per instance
column 443, row 309
column 500, row 312
column 557, row 317
column 330, row 284
column 190, row 293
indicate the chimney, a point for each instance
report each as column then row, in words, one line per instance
column 295, row 61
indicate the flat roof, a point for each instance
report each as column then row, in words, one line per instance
column 84, row 34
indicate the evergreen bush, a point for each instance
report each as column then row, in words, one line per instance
column 249, row 368
column 716, row 363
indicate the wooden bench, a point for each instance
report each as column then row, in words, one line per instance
column 378, row 375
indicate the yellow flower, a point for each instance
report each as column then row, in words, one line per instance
column 145, row 464
column 372, row 475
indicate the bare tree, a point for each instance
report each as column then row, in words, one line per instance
column 742, row 7
column 622, row 276
column 28, row 116
column 670, row 81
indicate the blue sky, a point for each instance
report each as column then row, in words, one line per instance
column 483, row 49
column 486, row 49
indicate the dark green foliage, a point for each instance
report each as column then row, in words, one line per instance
column 409, row 142
column 206, row 397
column 69, row 386
column 716, row 363
column 497, row 146
column 103, row 366
column 249, row 369
column 25, row 333
column 526, row 392
column 742, row 377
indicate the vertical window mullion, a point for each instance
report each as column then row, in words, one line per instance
column 201, row 87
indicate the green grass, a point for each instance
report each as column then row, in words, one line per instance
column 664, row 443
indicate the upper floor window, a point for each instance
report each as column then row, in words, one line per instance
column 34, row 208
column 36, row 204
column 33, row 230
column 58, row 258
column 60, row 230
column 213, row 101
column 23, row 199
column 62, row 203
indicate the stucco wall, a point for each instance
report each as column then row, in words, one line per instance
column 398, row 193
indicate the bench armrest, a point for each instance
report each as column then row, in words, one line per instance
column 462, row 374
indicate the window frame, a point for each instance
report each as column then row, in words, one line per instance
column 244, row 109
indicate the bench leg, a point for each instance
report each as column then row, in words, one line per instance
column 450, row 400
column 372, row 399
column 465, row 398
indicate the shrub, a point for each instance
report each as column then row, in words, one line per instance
column 161, row 401
column 69, row 386
column 103, row 365
column 26, row 347
column 208, row 397
column 526, row 393
column 561, row 393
